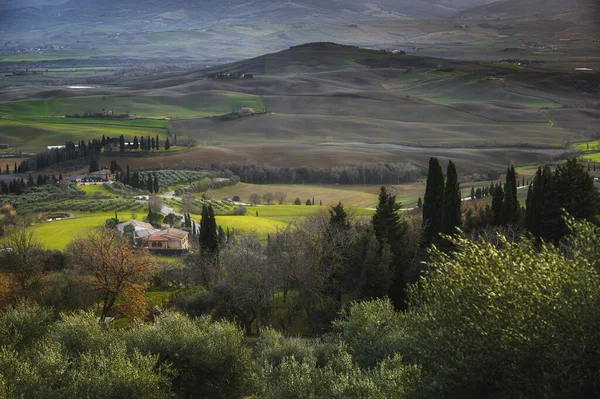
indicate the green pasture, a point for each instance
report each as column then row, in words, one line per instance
column 588, row 146
column 287, row 213
column 58, row 234
column 593, row 157
column 247, row 224
column 171, row 106
column 36, row 134
column 96, row 190
column 36, row 57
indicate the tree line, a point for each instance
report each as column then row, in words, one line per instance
column 137, row 180
column 365, row 173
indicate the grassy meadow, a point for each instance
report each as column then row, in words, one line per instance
column 58, row 234
column 147, row 106
column 35, row 134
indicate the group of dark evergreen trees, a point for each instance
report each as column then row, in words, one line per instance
column 143, row 143
column 366, row 173
column 87, row 151
column 568, row 189
column 19, row 186
column 442, row 202
column 82, row 150
column 137, row 180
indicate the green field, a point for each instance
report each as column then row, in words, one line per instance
column 592, row 157
column 247, row 224
column 35, row 134
column 588, row 146
column 58, row 234
column 96, row 190
column 150, row 106
column 287, row 213
column 41, row 57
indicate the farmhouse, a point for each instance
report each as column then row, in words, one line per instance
column 101, row 176
column 169, row 239
column 4, row 146
column 147, row 236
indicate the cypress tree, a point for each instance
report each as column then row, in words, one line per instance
column 338, row 217
column 433, row 202
column 167, row 144
column 390, row 232
column 498, row 204
column 420, row 203
column 510, row 209
column 451, row 215
column 473, row 192
column 136, row 144
column 535, row 200
column 209, row 239
column 155, row 186
column 157, row 143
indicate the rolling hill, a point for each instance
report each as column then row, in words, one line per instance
column 331, row 105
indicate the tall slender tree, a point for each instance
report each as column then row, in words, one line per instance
column 433, row 202
column 209, row 238
column 451, row 215
column 390, row 232
column 510, row 205
column 498, row 204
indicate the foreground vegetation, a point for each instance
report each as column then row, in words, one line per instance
column 452, row 299
column 462, row 336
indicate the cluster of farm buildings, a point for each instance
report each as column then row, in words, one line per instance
column 145, row 235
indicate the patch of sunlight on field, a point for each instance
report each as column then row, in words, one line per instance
column 593, row 157
column 91, row 190
column 286, row 213
column 247, row 224
column 58, row 234
column 588, row 146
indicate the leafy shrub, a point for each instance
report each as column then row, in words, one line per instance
column 210, row 357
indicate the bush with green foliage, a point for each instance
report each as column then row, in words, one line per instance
column 209, row 358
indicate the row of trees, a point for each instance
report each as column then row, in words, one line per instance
column 81, row 151
column 366, row 173
column 144, row 143
column 137, row 180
